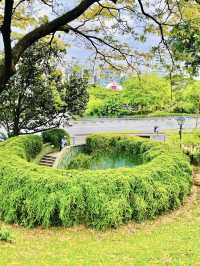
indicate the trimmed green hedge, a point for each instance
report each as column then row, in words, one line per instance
column 80, row 161
column 33, row 195
column 54, row 136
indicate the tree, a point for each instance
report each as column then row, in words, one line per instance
column 85, row 19
column 36, row 98
column 185, row 42
column 149, row 94
column 188, row 100
column 185, row 38
column 76, row 95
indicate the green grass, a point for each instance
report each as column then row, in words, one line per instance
column 189, row 137
column 172, row 239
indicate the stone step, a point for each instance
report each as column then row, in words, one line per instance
column 48, row 159
column 46, row 164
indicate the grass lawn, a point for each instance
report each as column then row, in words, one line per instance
column 172, row 239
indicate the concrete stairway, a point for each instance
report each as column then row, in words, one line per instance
column 47, row 160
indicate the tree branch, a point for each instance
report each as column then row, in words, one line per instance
column 160, row 25
column 12, row 56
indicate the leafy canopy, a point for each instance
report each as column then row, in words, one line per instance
column 37, row 97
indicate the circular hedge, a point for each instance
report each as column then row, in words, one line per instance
column 34, row 195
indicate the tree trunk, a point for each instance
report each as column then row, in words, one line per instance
column 16, row 129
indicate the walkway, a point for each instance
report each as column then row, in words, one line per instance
column 88, row 126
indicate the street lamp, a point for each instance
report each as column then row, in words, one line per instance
column 180, row 120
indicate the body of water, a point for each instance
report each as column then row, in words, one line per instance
column 106, row 162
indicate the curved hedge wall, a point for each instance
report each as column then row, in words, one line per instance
column 34, row 195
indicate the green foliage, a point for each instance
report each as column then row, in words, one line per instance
column 146, row 95
column 26, row 147
column 76, row 95
column 5, row 235
column 111, row 107
column 93, row 107
column 188, row 99
column 102, row 93
column 80, row 161
column 33, row 195
column 190, row 143
column 185, row 43
column 103, row 102
column 37, row 96
column 54, row 136
column 151, row 95
column 31, row 100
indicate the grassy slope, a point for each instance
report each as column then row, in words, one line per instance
column 172, row 239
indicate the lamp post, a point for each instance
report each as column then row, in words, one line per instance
column 180, row 120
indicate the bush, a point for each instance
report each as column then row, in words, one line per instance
column 80, row 161
column 33, row 195
column 54, row 136
column 111, row 107
column 5, row 235
column 26, row 147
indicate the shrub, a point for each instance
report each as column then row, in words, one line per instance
column 54, row 136
column 80, row 161
column 26, row 147
column 111, row 107
column 33, row 195
column 5, row 235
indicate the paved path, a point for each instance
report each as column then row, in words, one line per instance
column 143, row 124
column 85, row 127
column 81, row 128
